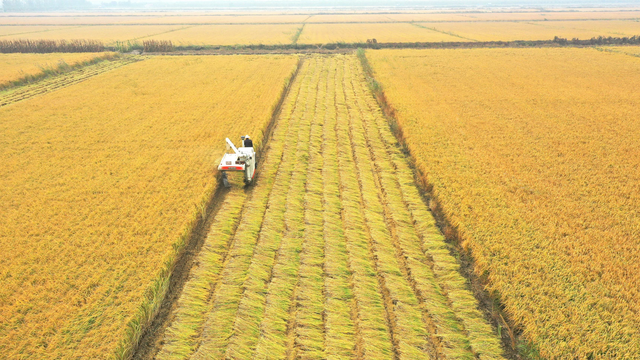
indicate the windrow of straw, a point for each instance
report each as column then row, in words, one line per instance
column 342, row 338
column 254, row 302
column 372, row 317
column 451, row 308
column 409, row 329
column 307, row 340
column 50, row 46
column 275, row 326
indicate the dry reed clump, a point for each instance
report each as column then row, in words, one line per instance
column 535, row 172
column 157, row 46
column 50, row 46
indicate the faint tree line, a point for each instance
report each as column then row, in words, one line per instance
column 43, row 5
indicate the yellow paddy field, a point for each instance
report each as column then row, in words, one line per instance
column 100, row 183
column 15, row 67
column 532, row 155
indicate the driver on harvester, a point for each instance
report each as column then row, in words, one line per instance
column 246, row 141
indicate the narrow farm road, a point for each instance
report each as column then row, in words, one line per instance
column 332, row 253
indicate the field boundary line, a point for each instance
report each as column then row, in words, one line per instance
column 489, row 304
column 168, row 287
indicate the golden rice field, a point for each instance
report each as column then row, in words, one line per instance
column 349, row 18
column 231, row 35
column 100, row 183
column 629, row 50
column 281, row 28
column 618, row 28
column 109, row 34
column 168, row 18
column 359, row 33
column 26, row 29
column 533, row 156
column 15, row 67
column 510, row 31
column 599, row 14
column 332, row 254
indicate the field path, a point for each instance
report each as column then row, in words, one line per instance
column 332, row 252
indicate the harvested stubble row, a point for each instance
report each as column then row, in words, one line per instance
column 335, row 255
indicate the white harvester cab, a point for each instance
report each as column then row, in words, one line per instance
column 242, row 159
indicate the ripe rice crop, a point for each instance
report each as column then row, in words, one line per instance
column 331, row 253
column 108, row 34
column 231, row 35
column 532, row 156
column 152, row 19
column 615, row 28
column 349, row 18
column 17, row 67
column 359, row 33
column 100, row 184
column 629, row 50
column 19, row 30
column 509, row 31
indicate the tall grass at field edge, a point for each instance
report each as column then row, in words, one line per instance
column 155, row 294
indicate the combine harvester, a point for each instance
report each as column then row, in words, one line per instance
column 242, row 159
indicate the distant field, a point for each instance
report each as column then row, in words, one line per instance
column 509, row 31
column 347, row 18
column 533, row 155
column 109, row 34
column 616, row 28
column 137, row 19
column 18, row 66
column 349, row 33
column 100, row 180
column 21, row 30
column 250, row 28
column 230, row 35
